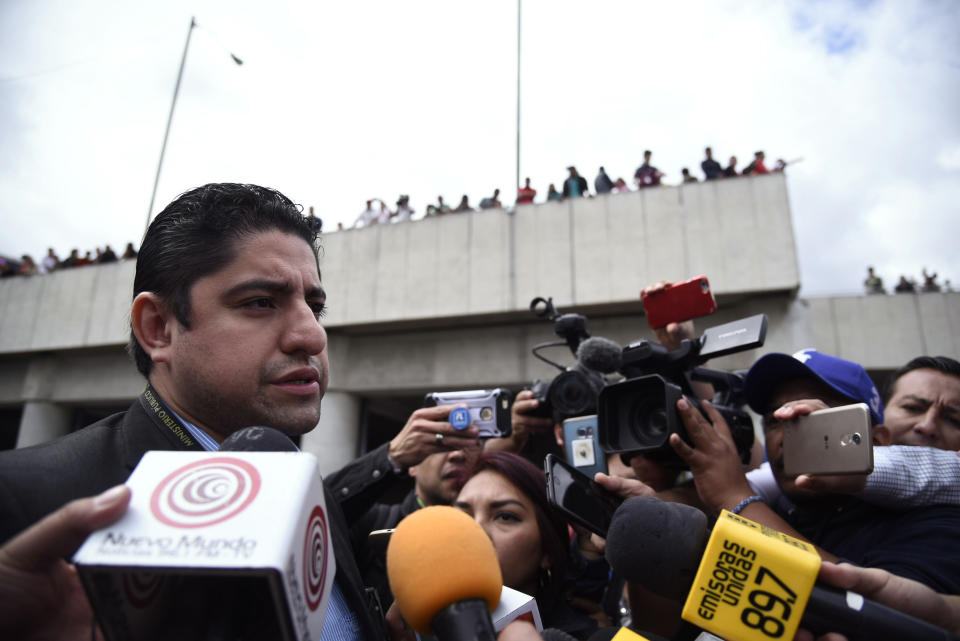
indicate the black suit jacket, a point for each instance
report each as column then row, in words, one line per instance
column 373, row 560
column 37, row 480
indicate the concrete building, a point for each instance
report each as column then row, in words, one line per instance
column 443, row 304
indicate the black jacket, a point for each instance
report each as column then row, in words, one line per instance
column 372, row 559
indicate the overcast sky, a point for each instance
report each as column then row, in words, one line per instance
column 338, row 102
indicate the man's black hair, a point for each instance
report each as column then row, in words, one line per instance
column 943, row 364
column 195, row 236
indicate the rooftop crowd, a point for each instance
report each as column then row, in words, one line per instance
column 873, row 284
column 26, row 266
column 378, row 212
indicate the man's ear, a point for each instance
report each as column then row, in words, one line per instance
column 412, row 471
column 153, row 325
column 881, row 435
column 558, row 433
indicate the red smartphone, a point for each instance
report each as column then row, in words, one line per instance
column 679, row 302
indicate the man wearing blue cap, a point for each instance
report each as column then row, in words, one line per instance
column 916, row 543
column 921, row 403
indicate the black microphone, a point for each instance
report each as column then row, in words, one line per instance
column 600, row 355
column 554, row 634
column 258, row 439
column 659, row 545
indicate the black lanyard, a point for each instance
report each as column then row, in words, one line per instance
column 165, row 418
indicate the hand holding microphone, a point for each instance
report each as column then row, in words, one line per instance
column 906, row 595
column 751, row 584
column 40, row 594
column 237, row 543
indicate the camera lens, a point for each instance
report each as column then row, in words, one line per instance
column 647, row 422
column 570, row 395
column 637, row 415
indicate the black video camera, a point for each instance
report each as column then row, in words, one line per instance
column 638, row 415
column 574, row 391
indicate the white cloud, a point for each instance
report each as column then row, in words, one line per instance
column 949, row 158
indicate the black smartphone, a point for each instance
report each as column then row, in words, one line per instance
column 379, row 539
column 580, row 498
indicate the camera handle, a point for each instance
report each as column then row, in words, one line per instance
column 727, row 384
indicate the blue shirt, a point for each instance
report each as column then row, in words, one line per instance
column 204, row 439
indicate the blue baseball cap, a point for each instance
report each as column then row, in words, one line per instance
column 846, row 377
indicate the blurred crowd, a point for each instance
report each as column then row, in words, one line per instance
column 27, row 266
column 873, row 283
column 378, row 212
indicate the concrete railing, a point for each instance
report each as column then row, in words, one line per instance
column 585, row 251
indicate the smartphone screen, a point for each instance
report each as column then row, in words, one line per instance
column 579, row 497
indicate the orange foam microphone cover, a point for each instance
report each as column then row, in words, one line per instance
column 438, row 555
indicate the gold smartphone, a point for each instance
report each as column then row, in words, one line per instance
column 837, row 440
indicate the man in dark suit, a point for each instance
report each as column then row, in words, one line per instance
column 225, row 326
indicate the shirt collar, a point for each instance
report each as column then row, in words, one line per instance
column 204, row 439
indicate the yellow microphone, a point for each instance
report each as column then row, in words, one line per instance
column 747, row 582
column 444, row 574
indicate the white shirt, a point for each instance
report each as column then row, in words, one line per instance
column 367, row 218
column 403, row 214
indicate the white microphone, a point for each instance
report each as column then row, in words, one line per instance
column 233, row 544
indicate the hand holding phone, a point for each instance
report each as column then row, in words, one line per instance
column 489, row 409
column 837, row 440
column 678, row 302
column 581, row 499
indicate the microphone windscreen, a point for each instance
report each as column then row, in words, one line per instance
column 438, row 555
column 258, row 439
column 657, row 544
column 600, row 354
column 601, row 634
column 554, row 634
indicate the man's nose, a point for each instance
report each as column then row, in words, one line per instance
column 303, row 332
column 927, row 425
